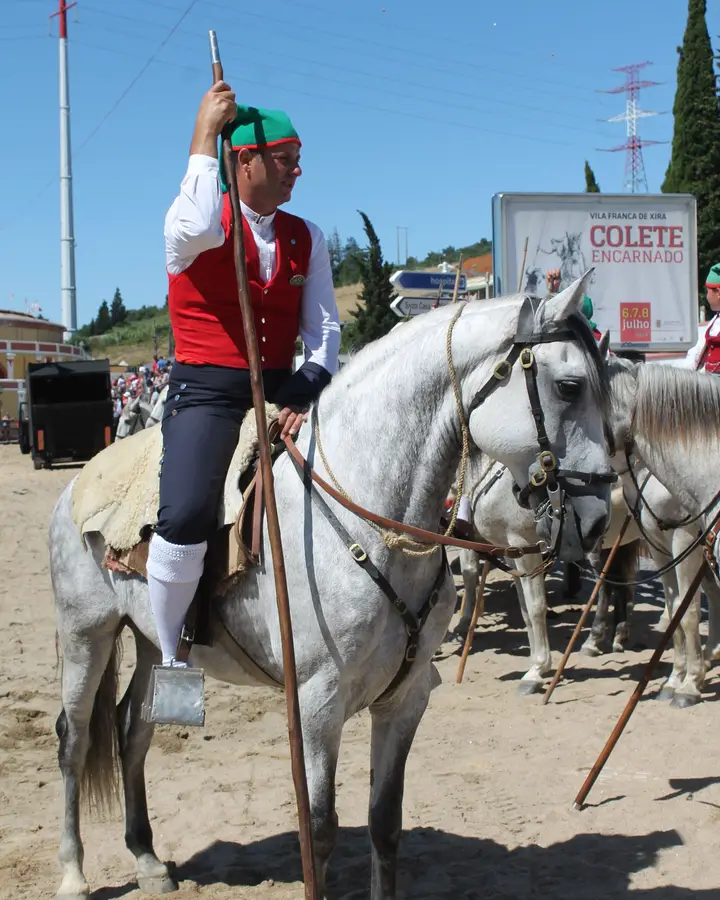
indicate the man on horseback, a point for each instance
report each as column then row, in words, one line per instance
column 209, row 393
column 705, row 355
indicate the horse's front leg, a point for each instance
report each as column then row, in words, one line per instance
column 394, row 723
column 533, row 603
column 690, row 691
column 679, row 669
column 624, row 569
column 595, row 642
column 712, row 646
column 470, row 568
column 135, row 738
column 323, row 717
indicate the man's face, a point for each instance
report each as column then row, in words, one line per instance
column 713, row 296
column 274, row 171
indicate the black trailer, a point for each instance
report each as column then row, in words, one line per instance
column 67, row 413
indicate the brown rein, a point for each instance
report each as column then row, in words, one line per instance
column 429, row 537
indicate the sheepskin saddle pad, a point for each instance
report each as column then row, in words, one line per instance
column 117, row 495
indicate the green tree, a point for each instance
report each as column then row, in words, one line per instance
column 103, row 323
column 335, row 253
column 353, row 261
column 375, row 318
column 591, row 185
column 118, row 313
column 695, row 161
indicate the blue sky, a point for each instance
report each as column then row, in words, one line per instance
column 415, row 112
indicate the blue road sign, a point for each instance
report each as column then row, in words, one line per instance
column 408, row 280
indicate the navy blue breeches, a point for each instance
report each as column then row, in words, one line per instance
column 205, row 408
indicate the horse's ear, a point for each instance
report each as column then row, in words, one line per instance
column 568, row 301
column 604, row 345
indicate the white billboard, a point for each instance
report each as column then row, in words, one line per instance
column 642, row 247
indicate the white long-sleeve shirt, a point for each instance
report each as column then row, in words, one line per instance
column 692, row 358
column 194, row 224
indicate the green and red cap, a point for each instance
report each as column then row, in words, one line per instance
column 713, row 279
column 254, row 128
column 588, row 310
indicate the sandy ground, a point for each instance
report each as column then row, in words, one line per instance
column 490, row 783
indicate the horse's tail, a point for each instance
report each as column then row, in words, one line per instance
column 101, row 774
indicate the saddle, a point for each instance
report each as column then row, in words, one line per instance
column 117, row 496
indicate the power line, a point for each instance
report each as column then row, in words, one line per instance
column 528, row 108
column 112, row 109
column 242, row 77
column 137, row 77
column 283, row 23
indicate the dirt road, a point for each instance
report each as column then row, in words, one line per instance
column 489, row 788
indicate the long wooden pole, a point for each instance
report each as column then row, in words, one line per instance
column 479, row 598
column 297, row 755
column 522, row 265
column 640, row 689
column 586, row 610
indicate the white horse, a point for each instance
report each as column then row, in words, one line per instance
column 138, row 414
column 499, row 518
column 390, row 428
column 681, row 453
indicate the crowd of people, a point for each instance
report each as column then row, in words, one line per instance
column 148, row 381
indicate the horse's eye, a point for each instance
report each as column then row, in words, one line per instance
column 569, row 390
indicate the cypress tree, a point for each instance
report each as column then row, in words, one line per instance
column 102, row 323
column 695, row 161
column 118, row 313
column 591, row 185
column 375, row 318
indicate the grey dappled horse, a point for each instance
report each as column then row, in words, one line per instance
column 669, row 420
column 497, row 517
column 390, row 429
column 500, row 519
column 138, row 414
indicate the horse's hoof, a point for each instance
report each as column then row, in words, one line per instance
column 157, row 884
column 618, row 647
column 528, row 688
column 683, row 701
column 667, row 693
column 74, row 886
column 591, row 650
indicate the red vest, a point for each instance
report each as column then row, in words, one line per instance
column 710, row 356
column 204, row 307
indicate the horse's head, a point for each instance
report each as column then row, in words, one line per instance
column 129, row 419
column 542, row 412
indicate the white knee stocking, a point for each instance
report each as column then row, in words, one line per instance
column 173, row 571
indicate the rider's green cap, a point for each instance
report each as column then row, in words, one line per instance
column 588, row 309
column 256, row 128
column 713, row 279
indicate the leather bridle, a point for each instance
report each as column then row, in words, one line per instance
column 707, row 536
column 554, row 482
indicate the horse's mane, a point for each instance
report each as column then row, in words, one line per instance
column 677, row 405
